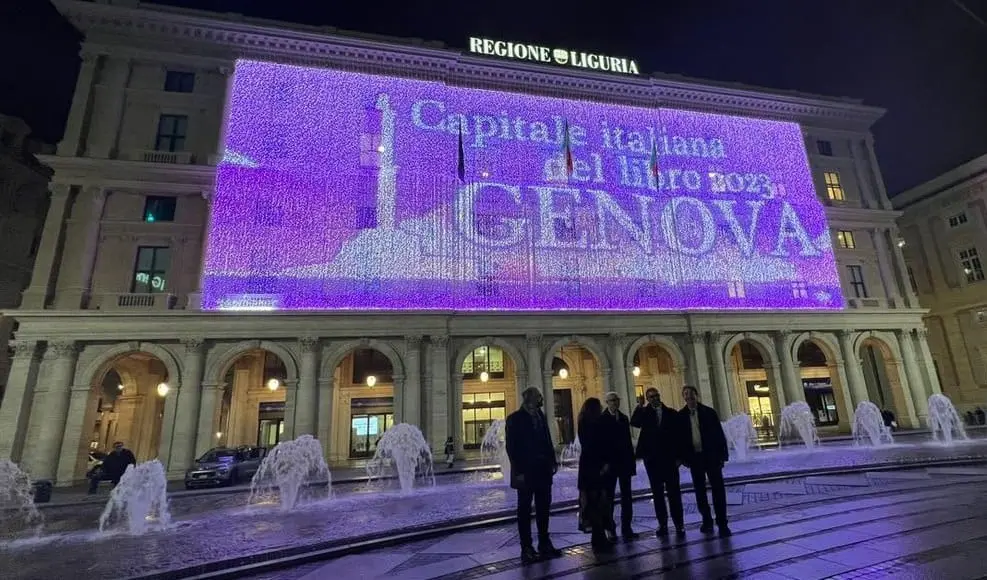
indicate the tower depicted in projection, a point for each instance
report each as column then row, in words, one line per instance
column 387, row 172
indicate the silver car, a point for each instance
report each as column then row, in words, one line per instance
column 225, row 466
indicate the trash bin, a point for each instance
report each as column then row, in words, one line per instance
column 42, row 491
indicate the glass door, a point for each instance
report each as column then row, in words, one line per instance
column 269, row 433
column 366, row 430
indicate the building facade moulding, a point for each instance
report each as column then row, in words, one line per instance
column 222, row 355
column 764, row 342
column 336, row 351
column 95, row 359
column 666, row 342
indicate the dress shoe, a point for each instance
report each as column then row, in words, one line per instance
column 680, row 533
column 528, row 555
column 547, row 550
column 662, row 531
column 725, row 532
column 706, row 528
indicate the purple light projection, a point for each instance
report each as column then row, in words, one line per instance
column 341, row 191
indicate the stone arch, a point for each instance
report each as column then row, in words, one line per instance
column 886, row 340
column 218, row 363
column 764, row 343
column 102, row 363
column 586, row 342
column 828, row 344
column 519, row 361
column 903, row 401
column 338, row 351
column 823, row 340
column 678, row 357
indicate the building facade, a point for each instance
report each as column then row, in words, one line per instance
column 944, row 228
column 120, row 336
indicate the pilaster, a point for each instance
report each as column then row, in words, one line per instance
column 208, row 402
column 699, row 367
column 926, row 362
column 618, row 371
column 81, row 244
column 723, row 400
column 39, row 292
column 324, row 414
column 73, row 448
column 456, row 412
column 72, row 141
column 306, row 405
column 915, row 387
column 884, row 263
column 412, row 402
column 50, row 410
column 178, row 450
column 790, row 379
column 439, row 391
column 854, row 372
column 898, row 260
column 108, row 108
column 15, row 411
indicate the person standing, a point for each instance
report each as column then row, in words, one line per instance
column 594, row 478
column 114, row 465
column 533, row 464
column 658, row 446
column 704, row 452
column 623, row 466
column 450, row 452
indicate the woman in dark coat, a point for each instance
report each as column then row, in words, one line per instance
column 595, row 496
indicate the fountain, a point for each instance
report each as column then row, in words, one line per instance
column 17, row 509
column 493, row 449
column 944, row 420
column 797, row 420
column 288, row 467
column 869, row 427
column 140, row 497
column 570, row 454
column 741, row 435
column 404, row 446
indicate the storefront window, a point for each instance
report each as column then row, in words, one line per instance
column 480, row 410
column 761, row 412
column 484, row 358
column 369, row 420
column 819, row 396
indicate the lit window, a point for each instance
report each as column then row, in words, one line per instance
column 151, row 271
column 970, row 262
column 911, row 279
column 159, row 209
column 824, row 147
column 857, row 281
column 489, row 359
column 834, row 189
column 179, row 82
column 480, row 411
column 736, row 289
column 799, row 290
column 171, row 133
column 845, row 238
column 957, row 220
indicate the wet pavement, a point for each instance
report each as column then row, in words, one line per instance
column 927, row 523
column 220, row 527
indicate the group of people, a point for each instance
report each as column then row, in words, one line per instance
column 668, row 439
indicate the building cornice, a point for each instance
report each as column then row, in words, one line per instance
column 217, row 38
column 861, row 218
column 143, row 176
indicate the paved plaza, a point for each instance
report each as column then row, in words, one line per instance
column 921, row 523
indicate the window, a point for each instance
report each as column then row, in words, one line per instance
column 819, row 396
column 824, row 147
column 480, row 410
column 179, row 82
column 857, row 281
column 799, row 290
column 735, row 288
column 151, row 271
column 911, row 279
column 957, row 220
column 159, row 209
column 488, row 359
column 970, row 262
column 845, row 239
column 834, row 189
column 171, row 133
column 367, row 362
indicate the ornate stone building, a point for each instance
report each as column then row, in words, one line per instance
column 111, row 338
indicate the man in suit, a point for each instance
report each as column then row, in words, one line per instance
column 658, row 446
column 533, row 464
column 620, row 452
column 704, row 452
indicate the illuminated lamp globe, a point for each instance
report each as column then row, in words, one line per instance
column 636, row 371
column 219, row 434
column 484, row 377
column 273, row 384
column 119, row 387
column 163, row 389
column 563, row 374
column 901, row 243
column 371, row 381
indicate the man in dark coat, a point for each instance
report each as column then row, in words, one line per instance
column 114, row 465
column 620, row 452
column 704, row 452
column 658, row 445
column 533, row 464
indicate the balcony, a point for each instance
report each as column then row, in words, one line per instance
column 172, row 157
column 133, row 302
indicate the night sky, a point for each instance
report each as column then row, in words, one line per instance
column 923, row 60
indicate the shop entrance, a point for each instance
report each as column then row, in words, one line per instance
column 370, row 418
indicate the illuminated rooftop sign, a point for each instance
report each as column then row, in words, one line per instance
column 546, row 55
column 344, row 190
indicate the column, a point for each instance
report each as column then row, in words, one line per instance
column 107, row 108
column 884, row 265
column 75, row 437
column 71, row 144
column 79, row 255
column 791, row 381
column 721, row 383
column 187, row 401
column 548, row 393
column 898, row 260
column 15, row 410
column 413, row 380
column 698, row 371
column 928, row 364
column 194, row 300
column 774, row 373
column 881, row 194
column 839, row 368
column 439, row 391
column 456, row 414
column 306, row 399
column 916, row 386
column 43, row 276
column 854, row 373
column 858, row 149
column 618, row 371
column 540, row 379
column 206, row 433
column 50, row 409
column 324, row 421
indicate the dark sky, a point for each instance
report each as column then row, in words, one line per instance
column 923, row 60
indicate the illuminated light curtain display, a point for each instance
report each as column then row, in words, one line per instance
column 340, row 190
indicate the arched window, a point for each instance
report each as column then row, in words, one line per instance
column 367, row 361
column 489, row 359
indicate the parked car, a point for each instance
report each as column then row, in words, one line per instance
column 224, row 466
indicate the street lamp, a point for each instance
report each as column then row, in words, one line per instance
column 563, row 373
column 163, row 389
column 119, row 387
column 636, row 371
column 273, row 384
column 371, row 381
column 484, row 377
